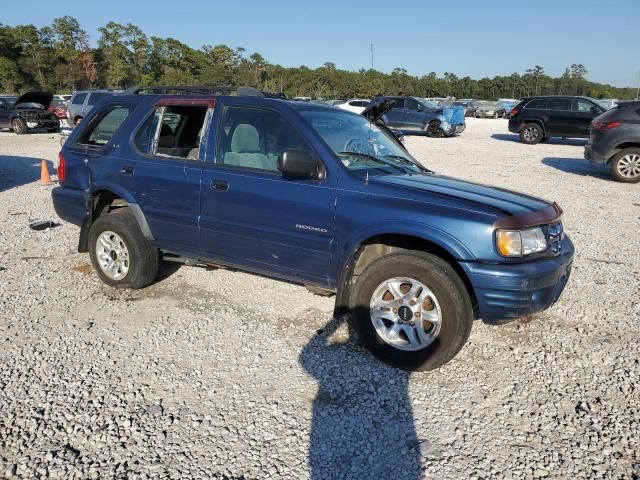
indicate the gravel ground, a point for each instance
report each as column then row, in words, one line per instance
column 219, row 374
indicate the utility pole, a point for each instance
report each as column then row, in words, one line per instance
column 371, row 46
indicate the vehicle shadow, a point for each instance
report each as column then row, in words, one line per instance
column 362, row 425
column 17, row 171
column 579, row 166
column 512, row 137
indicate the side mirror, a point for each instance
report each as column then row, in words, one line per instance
column 420, row 108
column 300, row 164
column 596, row 110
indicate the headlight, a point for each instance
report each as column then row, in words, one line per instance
column 518, row 243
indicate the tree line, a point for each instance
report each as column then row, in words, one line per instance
column 59, row 58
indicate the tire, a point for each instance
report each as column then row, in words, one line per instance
column 18, row 126
column 452, row 304
column 531, row 133
column 143, row 259
column 495, row 115
column 433, row 130
column 625, row 165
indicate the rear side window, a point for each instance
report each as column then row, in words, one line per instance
column 104, row 126
column 538, row 104
column 173, row 131
column 79, row 99
column 559, row 104
column 96, row 97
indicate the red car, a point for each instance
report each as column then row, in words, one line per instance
column 59, row 108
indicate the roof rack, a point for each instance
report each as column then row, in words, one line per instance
column 197, row 90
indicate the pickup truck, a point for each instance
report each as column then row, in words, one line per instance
column 313, row 195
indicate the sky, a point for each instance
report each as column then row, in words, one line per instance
column 465, row 37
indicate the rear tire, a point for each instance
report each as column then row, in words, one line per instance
column 625, row 165
column 18, row 126
column 115, row 238
column 531, row 133
column 448, row 298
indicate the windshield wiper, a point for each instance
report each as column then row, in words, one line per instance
column 402, row 159
column 366, row 156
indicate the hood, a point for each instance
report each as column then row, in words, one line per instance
column 43, row 98
column 506, row 201
column 377, row 108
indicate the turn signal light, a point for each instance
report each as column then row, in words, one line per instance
column 62, row 168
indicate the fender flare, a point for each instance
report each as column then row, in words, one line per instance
column 83, row 242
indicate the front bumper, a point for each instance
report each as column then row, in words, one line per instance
column 450, row 129
column 515, row 290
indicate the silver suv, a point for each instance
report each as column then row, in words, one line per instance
column 82, row 101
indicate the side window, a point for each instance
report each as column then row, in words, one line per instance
column 94, row 97
column 79, row 99
column 399, row 104
column 538, row 104
column 173, row 131
column 254, row 138
column 101, row 128
column 411, row 104
column 582, row 106
column 558, row 104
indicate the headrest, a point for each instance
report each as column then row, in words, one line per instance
column 245, row 139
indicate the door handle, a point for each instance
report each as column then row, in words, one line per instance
column 219, row 185
column 127, row 170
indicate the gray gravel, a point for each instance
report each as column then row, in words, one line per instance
column 219, row 374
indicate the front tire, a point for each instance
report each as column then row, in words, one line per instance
column 411, row 310
column 531, row 133
column 625, row 165
column 120, row 254
column 433, row 130
column 18, row 126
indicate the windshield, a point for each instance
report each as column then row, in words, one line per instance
column 362, row 146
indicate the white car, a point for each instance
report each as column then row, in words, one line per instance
column 357, row 105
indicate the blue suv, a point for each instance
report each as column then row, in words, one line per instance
column 313, row 195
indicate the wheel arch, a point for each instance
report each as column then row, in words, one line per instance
column 378, row 245
column 536, row 121
column 623, row 146
column 104, row 200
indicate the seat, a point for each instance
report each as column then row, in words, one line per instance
column 245, row 149
column 167, row 138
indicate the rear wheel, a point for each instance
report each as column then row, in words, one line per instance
column 18, row 126
column 411, row 310
column 120, row 254
column 531, row 133
column 625, row 165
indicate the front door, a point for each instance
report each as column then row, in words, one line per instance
column 254, row 218
column 584, row 111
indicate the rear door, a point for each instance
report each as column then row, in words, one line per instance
column 396, row 116
column 162, row 170
column 584, row 111
column 5, row 111
column 251, row 216
column 562, row 120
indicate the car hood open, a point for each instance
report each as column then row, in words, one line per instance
column 377, row 108
column 506, row 201
column 43, row 98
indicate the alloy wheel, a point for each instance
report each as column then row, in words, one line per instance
column 629, row 166
column 113, row 255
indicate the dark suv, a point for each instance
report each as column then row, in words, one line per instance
column 615, row 141
column 538, row 118
column 309, row 194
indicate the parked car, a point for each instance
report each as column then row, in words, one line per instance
column 489, row 110
column 59, row 108
column 64, row 98
column 312, row 195
column 464, row 103
column 412, row 115
column 28, row 112
column 356, row 105
column 614, row 140
column 82, row 102
column 472, row 106
column 538, row 118
column 507, row 106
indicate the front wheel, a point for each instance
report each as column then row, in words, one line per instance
column 625, row 165
column 18, row 126
column 120, row 254
column 411, row 310
column 433, row 130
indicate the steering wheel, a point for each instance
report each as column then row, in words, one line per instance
column 357, row 145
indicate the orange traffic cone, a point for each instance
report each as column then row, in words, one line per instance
column 45, row 178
